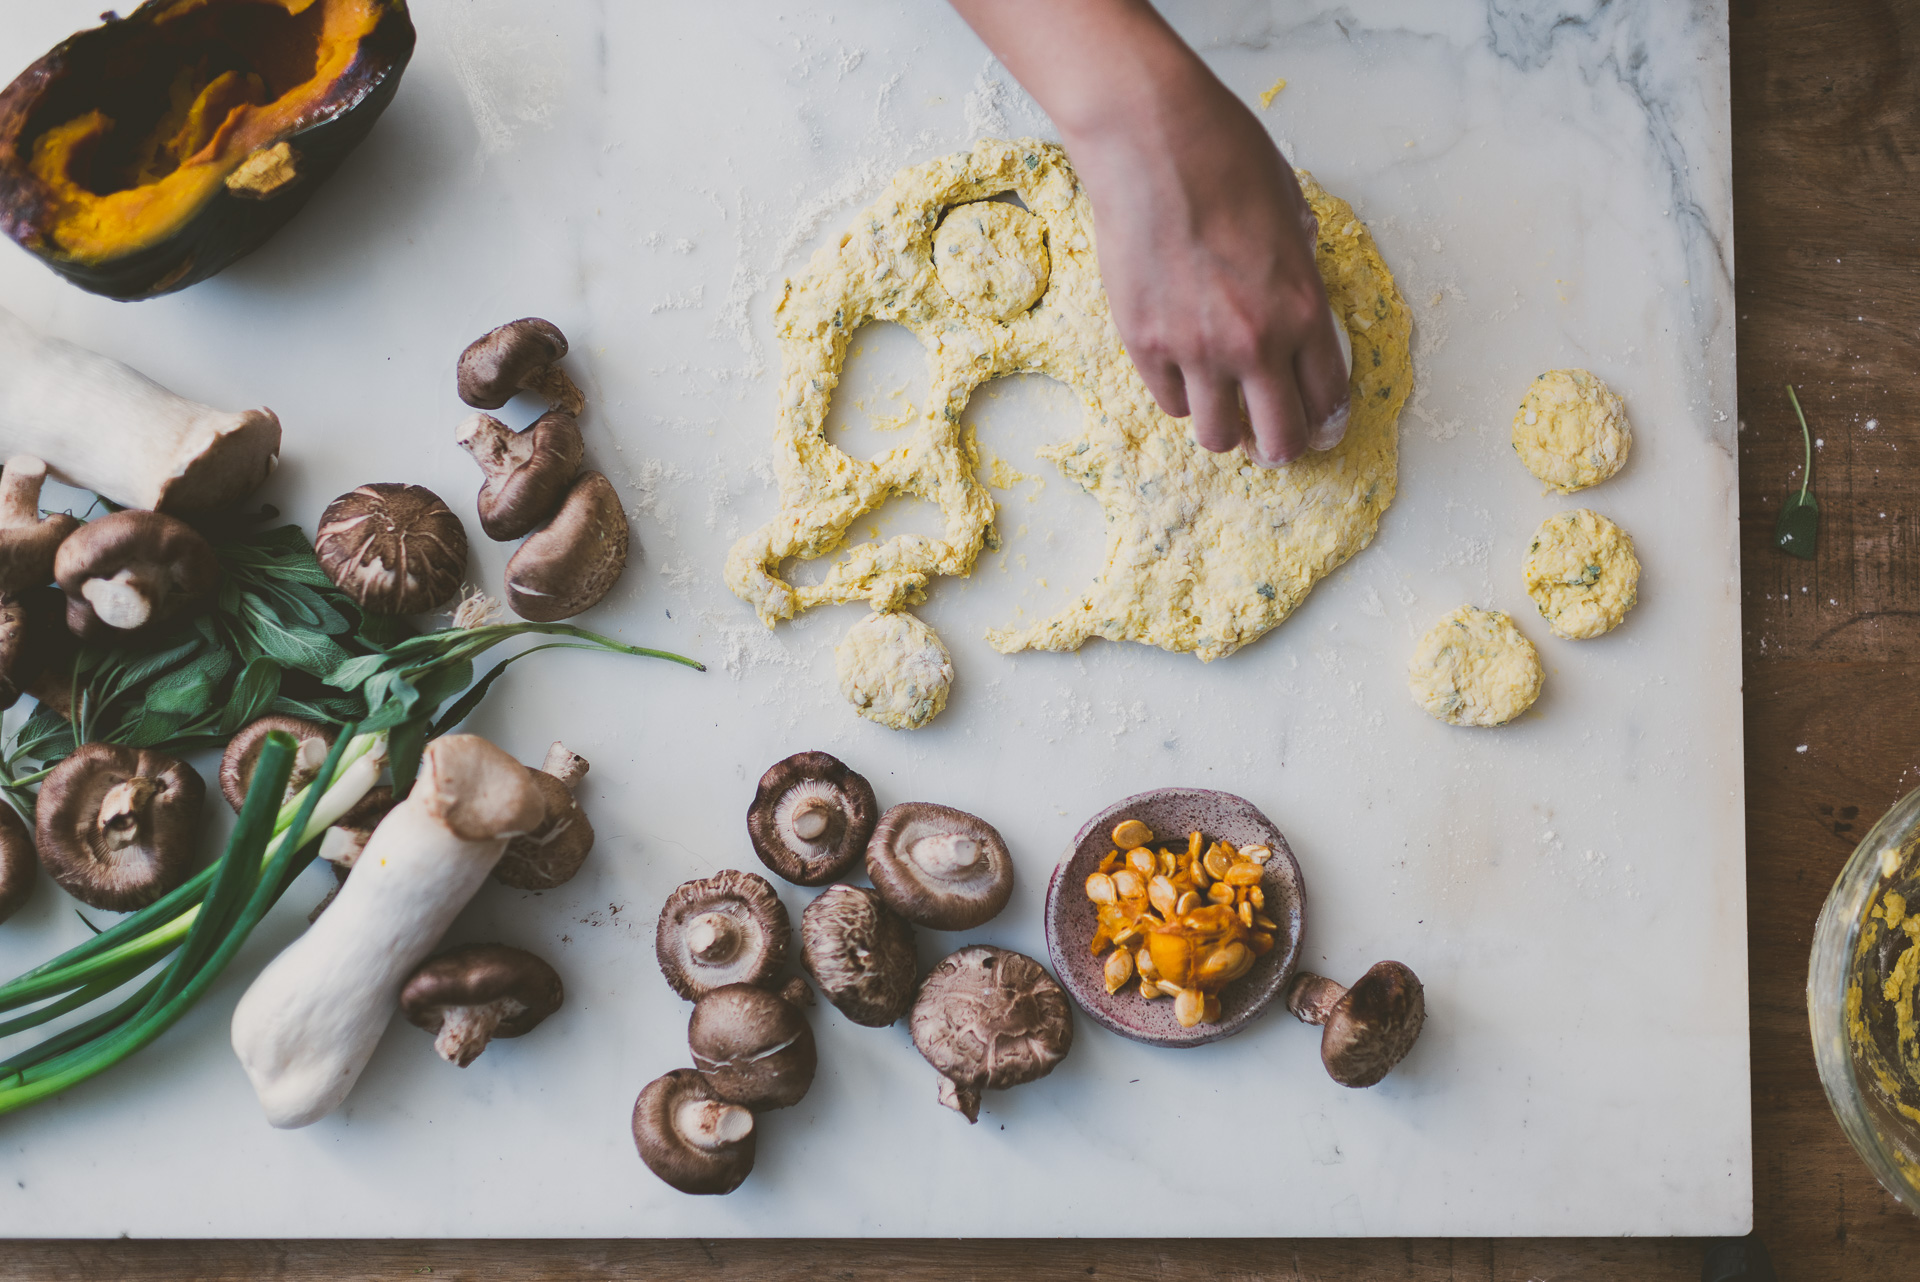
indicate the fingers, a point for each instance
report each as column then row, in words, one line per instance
column 1217, row 421
column 1320, row 367
column 1279, row 423
column 1169, row 389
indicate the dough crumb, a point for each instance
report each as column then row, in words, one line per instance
column 1474, row 668
column 1582, row 573
column 894, row 670
column 1571, row 430
column 1271, row 92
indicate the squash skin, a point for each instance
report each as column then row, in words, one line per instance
column 226, row 225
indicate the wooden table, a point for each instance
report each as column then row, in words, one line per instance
column 1828, row 250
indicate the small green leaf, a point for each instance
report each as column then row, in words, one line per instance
column 1798, row 529
column 258, row 684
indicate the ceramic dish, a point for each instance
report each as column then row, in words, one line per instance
column 1172, row 813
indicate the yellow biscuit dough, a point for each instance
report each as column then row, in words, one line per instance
column 1582, row 573
column 991, row 258
column 1205, row 552
column 1474, row 668
column 894, row 670
column 1571, row 430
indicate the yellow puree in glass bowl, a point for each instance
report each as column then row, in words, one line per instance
column 1883, row 1027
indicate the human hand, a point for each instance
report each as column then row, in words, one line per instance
column 1206, row 250
column 1206, row 244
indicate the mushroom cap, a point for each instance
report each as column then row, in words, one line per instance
column 504, row 359
column 690, row 1137
column 1374, row 1025
column 987, row 1019
column 527, row 472
column 132, row 569
column 939, row 867
column 347, row 836
column 754, row 1047
column 116, row 826
column 32, row 633
column 572, row 561
column 395, row 549
column 28, row 540
column 811, row 818
column 861, row 954
column 243, row 751
column 17, row 862
column 520, row 989
column 729, row 928
column 551, row 854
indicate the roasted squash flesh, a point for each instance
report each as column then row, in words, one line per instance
column 129, row 156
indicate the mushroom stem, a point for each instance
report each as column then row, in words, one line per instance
column 551, row 383
column 20, row 482
column 961, row 1100
column 713, row 937
column 124, row 808
column 564, row 764
column 128, row 599
column 491, row 443
column 1312, row 997
column 710, row 1124
column 466, row 1030
column 812, row 818
column 947, row 854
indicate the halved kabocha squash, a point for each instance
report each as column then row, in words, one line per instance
column 148, row 153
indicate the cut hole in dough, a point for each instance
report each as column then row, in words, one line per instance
column 1474, row 668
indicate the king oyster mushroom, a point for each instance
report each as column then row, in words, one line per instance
column 528, row 473
column 552, row 853
column 469, row 995
column 988, row 1019
column 17, row 862
column 729, row 928
column 753, row 1047
column 116, row 826
column 1368, row 1028
column 133, row 568
column 811, row 818
column 567, row 565
column 690, row 1137
column 395, row 549
column 520, row 355
column 860, row 952
column 28, row 540
column 939, row 867
column 243, row 752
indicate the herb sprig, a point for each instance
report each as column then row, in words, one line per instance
column 1798, row 529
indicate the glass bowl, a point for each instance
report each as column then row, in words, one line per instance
column 1863, row 978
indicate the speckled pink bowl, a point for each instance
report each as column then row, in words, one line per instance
column 1071, row 918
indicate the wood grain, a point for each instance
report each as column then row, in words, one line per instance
column 1828, row 297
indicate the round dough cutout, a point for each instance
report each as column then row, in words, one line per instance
column 1582, row 573
column 991, row 258
column 1474, row 668
column 894, row 670
column 1571, row 430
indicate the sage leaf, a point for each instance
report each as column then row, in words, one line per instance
column 1798, row 530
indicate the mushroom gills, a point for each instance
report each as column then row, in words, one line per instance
column 811, row 818
column 729, row 928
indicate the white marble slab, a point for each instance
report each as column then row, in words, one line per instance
column 1550, row 185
